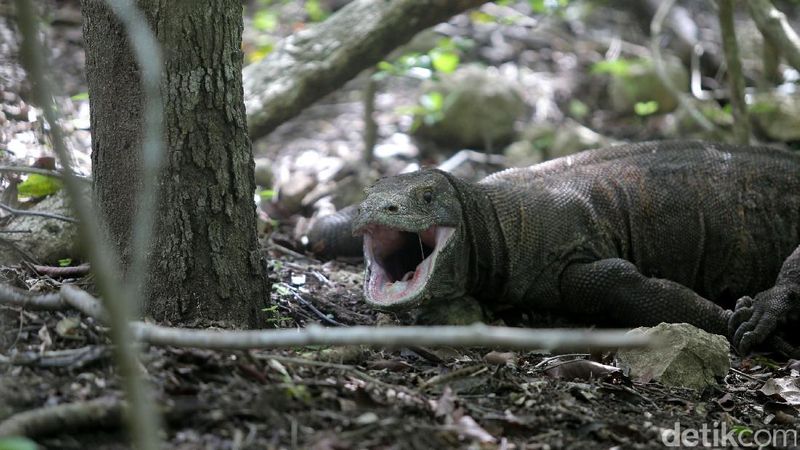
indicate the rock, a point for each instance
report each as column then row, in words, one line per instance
column 689, row 357
column 479, row 109
column 263, row 172
column 291, row 191
column 641, row 83
column 43, row 239
column 547, row 141
column 777, row 116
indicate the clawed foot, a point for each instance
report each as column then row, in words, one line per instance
column 769, row 318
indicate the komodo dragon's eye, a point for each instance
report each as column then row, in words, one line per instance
column 427, row 196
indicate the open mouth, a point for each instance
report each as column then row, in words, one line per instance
column 400, row 263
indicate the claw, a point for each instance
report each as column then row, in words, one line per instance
column 744, row 302
column 756, row 321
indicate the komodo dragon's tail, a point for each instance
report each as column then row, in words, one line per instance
column 332, row 236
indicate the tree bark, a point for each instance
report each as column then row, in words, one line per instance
column 313, row 62
column 204, row 260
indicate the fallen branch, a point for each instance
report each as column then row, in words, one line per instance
column 23, row 212
column 39, row 171
column 62, row 272
column 774, row 27
column 73, row 358
column 313, row 62
column 11, row 296
column 458, row 336
column 50, row 419
column 402, row 336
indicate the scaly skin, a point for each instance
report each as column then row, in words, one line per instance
column 629, row 236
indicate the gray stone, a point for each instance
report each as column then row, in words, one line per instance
column 480, row 109
column 642, row 84
column 777, row 116
column 686, row 357
column 545, row 141
column 42, row 239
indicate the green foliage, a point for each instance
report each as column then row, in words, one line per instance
column 80, row 96
column 316, row 12
column 274, row 317
column 265, row 20
column 429, row 110
column 17, row 443
column 547, row 6
column 620, row 67
column 742, row 430
column 442, row 59
column 38, row 186
column 266, row 194
column 645, row 108
column 280, row 288
column 578, row 109
column 66, row 262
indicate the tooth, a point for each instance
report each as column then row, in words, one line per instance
column 407, row 276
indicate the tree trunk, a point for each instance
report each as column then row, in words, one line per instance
column 205, row 263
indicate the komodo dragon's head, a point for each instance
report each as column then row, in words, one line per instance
column 413, row 240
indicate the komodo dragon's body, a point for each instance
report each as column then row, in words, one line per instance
column 629, row 235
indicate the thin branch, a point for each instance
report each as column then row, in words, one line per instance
column 773, row 26
column 370, row 126
column 62, row 272
column 73, row 358
column 143, row 419
column 12, row 296
column 460, row 336
column 399, row 336
column 741, row 129
column 658, row 62
column 38, row 171
column 25, row 212
column 68, row 416
column 324, row 317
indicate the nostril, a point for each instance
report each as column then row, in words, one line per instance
column 392, row 208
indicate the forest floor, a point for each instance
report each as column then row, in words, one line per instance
column 341, row 398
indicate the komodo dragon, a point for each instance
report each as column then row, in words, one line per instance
column 629, row 235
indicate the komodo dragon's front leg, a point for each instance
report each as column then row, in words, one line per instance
column 776, row 309
column 616, row 289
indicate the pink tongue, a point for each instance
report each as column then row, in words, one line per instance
column 429, row 236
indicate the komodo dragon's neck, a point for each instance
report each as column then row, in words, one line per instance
column 486, row 252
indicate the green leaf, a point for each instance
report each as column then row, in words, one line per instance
column 267, row 194
column 315, row 11
column 615, row 67
column 432, row 101
column 547, row 6
column 280, row 288
column 578, row 109
column 80, row 96
column 645, row 108
column 38, row 186
column 742, row 430
column 265, row 20
column 17, row 443
column 386, row 66
column 444, row 61
column 64, row 262
column 479, row 16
